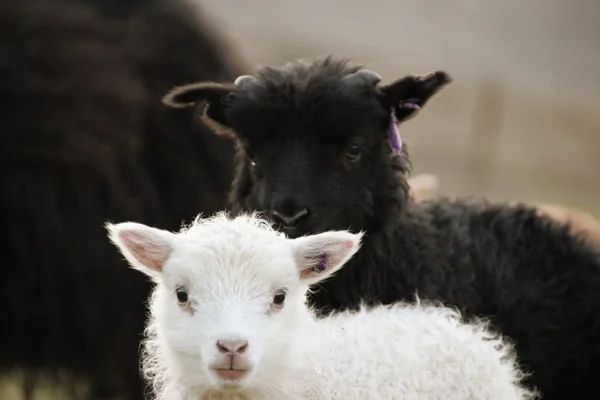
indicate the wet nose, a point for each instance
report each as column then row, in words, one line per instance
column 232, row 346
column 290, row 218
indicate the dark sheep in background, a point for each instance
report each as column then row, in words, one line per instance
column 314, row 155
column 425, row 187
column 86, row 139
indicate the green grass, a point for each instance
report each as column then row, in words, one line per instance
column 13, row 391
column 11, row 388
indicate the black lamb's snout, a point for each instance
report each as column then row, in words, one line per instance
column 288, row 213
column 289, row 219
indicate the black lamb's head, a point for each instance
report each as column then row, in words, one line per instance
column 316, row 141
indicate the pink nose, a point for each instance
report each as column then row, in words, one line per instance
column 232, row 346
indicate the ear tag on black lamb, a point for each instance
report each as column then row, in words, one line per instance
column 322, row 266
column 394, row 132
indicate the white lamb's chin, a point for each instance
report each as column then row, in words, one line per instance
column 232, row 385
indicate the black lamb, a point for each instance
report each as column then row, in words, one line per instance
column 314, row 154
column 86, row 139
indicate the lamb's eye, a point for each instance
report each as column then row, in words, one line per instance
column 353, row 153
column 279, row 298
column 182, row 296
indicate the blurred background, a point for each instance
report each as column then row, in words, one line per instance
column 520, row 121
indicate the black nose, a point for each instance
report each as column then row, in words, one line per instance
column 291, row 218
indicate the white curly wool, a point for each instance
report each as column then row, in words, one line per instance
column 409, row 352
column 219, row 328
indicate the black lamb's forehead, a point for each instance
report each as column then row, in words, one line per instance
column 310, row 96
column 302, row 74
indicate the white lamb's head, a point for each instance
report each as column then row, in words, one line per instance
column 230, row 295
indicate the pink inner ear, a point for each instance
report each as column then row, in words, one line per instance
column 340, row 250
column 147, row 251
column 333, row 255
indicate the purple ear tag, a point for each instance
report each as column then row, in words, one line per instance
column 393, row 131
column 322, row 263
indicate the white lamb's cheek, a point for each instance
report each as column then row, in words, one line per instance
column 277, row 342
column 191, row 369
column 258, row 354
column 178, row 329
column 162, row 308
column 184, row 339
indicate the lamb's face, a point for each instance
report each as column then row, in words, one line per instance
column 316, row 148
column 226, row 314
column 316, row 160
column 229, row 302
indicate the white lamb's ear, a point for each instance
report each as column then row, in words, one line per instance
column 318, row 256
column 146, row 249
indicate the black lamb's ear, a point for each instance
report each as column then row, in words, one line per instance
column 407, row 95
column 214, row 94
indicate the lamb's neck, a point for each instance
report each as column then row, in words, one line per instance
column 304, row 331
column 392, row 251
column 293, row 390
column 305, row 349
column 406, row 229
column 287, row 386
column 220, row 395
column 231, row 395
column 264, row 393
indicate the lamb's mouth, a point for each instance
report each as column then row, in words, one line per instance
column 229, row 374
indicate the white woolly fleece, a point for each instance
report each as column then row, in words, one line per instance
column 405, row 351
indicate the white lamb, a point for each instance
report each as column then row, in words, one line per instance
column 229, row 321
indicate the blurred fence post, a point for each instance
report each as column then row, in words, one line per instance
column 485, row 133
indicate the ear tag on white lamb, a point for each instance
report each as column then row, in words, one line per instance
column 394, row 132
column 322, row 266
